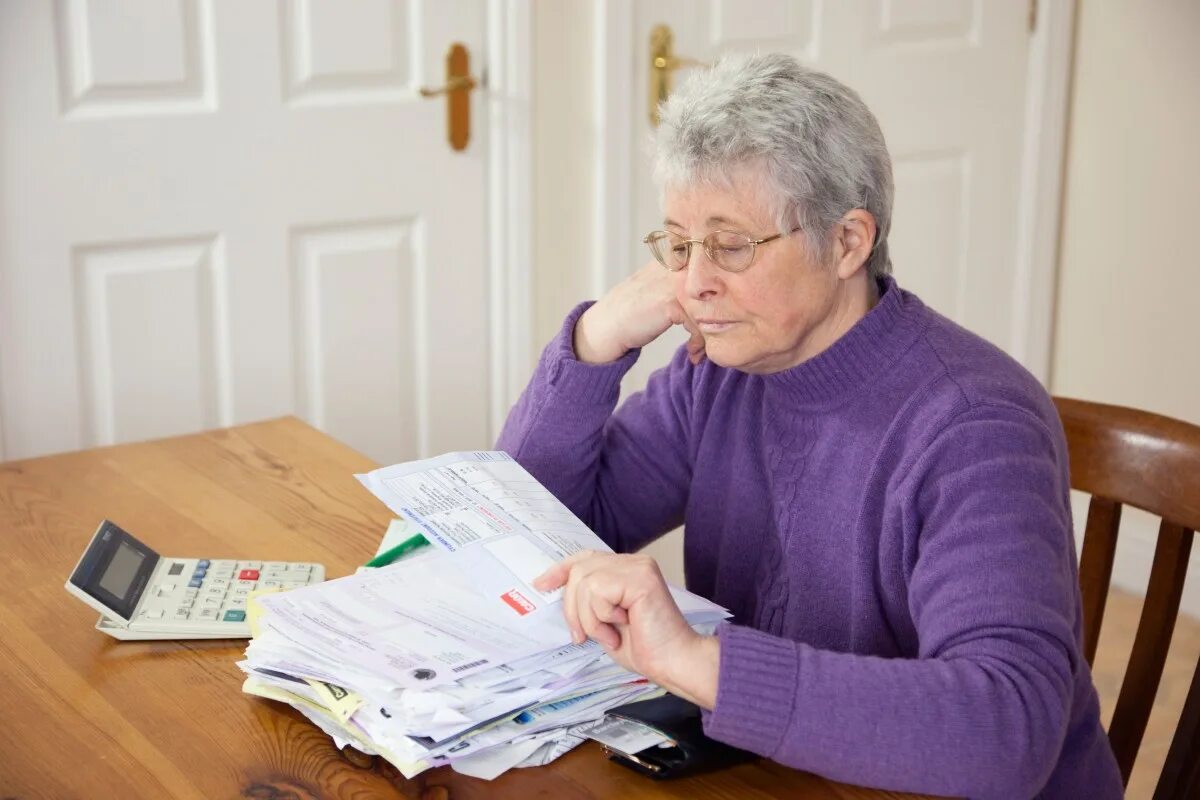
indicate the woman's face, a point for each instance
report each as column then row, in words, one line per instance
column 784, row 309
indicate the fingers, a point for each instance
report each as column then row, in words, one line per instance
column 629, row 315
column 608, row 616
column 600, row 593
column 695, row 349
column 677, row 316
column 607, row 636
column 557, row 574
column 613, row 614
column 588, row 613
column 695, row 343
column 570, row 591
column 687, row 322
column 552, row 578
column 571, row 607
column 568, row 574
column 590, row 622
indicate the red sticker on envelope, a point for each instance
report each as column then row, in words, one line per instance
column 518, row 602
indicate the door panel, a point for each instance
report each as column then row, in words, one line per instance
column 150, row 308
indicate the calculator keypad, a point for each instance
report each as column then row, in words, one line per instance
column 217, row 590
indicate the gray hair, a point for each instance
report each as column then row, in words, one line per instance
column 819, row 148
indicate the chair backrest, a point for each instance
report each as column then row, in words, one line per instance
column 1122, row 456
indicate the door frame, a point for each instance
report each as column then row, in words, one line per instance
column 508, row 78
column 1048, row 83
column 1043, row 167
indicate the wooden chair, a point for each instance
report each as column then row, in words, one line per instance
column 1121, row 456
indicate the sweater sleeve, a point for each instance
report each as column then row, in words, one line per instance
column 982, row 711
column 624, row 474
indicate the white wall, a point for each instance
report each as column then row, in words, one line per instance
column 1127, row 330
column 564, row 176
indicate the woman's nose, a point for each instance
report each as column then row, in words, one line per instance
column 702, row 278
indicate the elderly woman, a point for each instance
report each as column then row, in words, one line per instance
column 879, row 496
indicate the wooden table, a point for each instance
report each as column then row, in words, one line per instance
column 88, row 716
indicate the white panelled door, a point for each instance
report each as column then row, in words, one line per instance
column 947, row 81
column 213, row 212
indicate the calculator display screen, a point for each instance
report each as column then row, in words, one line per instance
column 121, row 570
column 115, row 569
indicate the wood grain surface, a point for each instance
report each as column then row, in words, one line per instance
column 90, row 717
column 1125, row 456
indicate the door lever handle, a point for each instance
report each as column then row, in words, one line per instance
column 457, row 88
column 663, row 62
column 452, row 85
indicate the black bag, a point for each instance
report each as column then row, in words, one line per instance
column 678, row 720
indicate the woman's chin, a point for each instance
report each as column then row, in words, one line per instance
column 727, row 357
column 750, row 361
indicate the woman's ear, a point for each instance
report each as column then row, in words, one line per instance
column 855, row 237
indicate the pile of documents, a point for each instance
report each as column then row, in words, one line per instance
column 450, row 656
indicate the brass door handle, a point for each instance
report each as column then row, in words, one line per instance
column 663, row 62
column 452, row 85
column 457, row 89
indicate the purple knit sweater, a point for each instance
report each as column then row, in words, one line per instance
column 888, row 522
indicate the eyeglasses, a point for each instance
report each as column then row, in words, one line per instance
column 732, row 252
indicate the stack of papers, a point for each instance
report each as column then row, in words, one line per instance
column 450, row 656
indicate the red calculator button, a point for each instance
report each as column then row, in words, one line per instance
column 248, row 575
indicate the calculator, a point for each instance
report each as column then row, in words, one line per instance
column 142, row 595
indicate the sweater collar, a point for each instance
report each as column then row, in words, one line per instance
column 863, row 353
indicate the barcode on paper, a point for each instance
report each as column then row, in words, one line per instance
column 472, row 665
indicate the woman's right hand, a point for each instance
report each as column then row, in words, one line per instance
column 632, row 314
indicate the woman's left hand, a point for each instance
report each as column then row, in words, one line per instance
column 623, row 603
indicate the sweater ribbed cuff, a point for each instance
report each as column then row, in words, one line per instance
column 578, row 381
column 756, row 690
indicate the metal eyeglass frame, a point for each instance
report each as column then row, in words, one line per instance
column 708, row 251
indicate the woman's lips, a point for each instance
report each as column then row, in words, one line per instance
column 714, row 325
